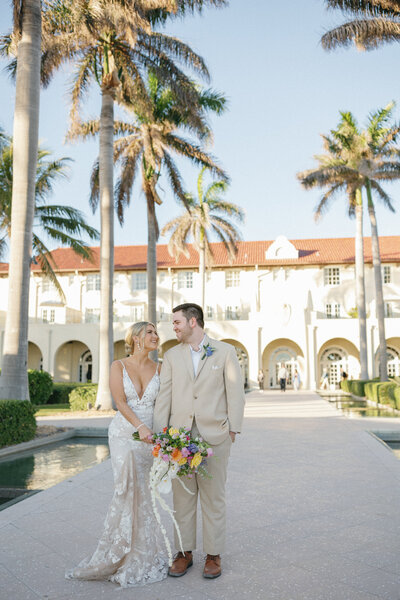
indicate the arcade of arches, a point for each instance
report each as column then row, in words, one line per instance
column 73, row 360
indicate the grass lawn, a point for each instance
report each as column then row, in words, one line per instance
column 45, row 410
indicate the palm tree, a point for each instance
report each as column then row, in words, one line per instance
column 148, row 142
column 205, row 216
column 377, row 23
column 337, row 171
column 355, row 160
column 26, row 41
column 112, row 42
column 60, row 224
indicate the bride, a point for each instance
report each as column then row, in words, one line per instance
column 131, row 550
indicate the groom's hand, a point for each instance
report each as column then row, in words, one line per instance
column 233, row 436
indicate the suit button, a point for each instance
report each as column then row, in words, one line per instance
column 195, row 397
column 190, row 416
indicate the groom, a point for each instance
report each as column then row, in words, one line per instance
column 201, row 390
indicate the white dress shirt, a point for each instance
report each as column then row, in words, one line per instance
column 196, row 356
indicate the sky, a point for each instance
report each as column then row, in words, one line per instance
column 283, row 92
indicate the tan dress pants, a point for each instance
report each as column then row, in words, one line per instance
column 212, row 501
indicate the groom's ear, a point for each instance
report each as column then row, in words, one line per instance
column 192, row 322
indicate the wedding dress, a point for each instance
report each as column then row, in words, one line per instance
column 131, row 549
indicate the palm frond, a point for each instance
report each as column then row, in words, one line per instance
column 366, row 34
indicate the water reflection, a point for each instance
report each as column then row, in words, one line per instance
column 395, row 448
column 45, row 467
column 358, row 408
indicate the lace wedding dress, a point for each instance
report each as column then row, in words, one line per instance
column 131, row 549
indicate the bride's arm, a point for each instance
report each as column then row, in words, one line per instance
column 117, row 392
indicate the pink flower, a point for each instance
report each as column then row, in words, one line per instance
column 210, row 452
column 165, row 457
column 185, row 452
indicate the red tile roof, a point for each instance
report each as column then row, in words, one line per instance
column 311, row 252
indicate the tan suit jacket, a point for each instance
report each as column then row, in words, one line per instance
column 214, row 397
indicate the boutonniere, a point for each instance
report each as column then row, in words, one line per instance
column 208, row 351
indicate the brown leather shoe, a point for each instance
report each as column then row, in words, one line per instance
column 212, row 567
column 182, row 561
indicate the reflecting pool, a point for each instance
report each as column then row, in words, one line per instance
column 358, row 408
column 41, row 468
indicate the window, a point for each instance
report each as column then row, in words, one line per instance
column 332, row 311
column 185, row 279
column 137, row 313
column 332, row 276
column 71, row 279
column 93, row 282
column 232, row 313
column 232, row 279
column 92, row 315
column 388, row 309
column 209, row 312
column 139, row 281
column 161, row 277
column 48, row 315
column 387, row 274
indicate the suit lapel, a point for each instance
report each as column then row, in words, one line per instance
column 204, row 360
column 187, row 357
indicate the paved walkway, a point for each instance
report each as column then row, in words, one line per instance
column 313, row 513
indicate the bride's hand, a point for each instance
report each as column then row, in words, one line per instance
column 144, row 433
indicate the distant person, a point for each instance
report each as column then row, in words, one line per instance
column 260, row 379
column 296, row 380
column 343, row 375
column 324, row 383
column 282, row 376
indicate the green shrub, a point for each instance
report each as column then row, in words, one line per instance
column 386, row 393
column 371, row 390
column 17, row 422
column 345, row 385
column 40, row 386
column 396, row 394
column 61, row 392
column 354, row 386
column 83, row 395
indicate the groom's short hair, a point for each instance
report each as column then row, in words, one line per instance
column 191, row 310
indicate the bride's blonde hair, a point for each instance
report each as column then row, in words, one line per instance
column 133, row 331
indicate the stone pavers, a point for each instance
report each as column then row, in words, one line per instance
column 313, row 513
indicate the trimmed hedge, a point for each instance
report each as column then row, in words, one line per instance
column 61, row 392
column 40, row 386
column 354, row 386
column 382, row 392
column 82, row 396
column 17, row 422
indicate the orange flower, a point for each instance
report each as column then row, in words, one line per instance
column 156, row 450
column 176, row 455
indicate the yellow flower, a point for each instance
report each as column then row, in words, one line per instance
column 183, row 461
column 173, row 431
column 196, row 460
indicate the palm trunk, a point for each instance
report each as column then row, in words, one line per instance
column 14, row 378
column 104, row 399
column 151, row 267
column 360, row 286
column 380, row 309
column 202, row 273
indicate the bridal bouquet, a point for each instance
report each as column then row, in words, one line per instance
column 176, row 454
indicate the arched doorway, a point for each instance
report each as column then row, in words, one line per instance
column 393, row 357
column 166, row 346
column 120, row 350
column 337, row 354
column 73, row 362
column 85, row 367
column 35, row 357
column 243, row 358
column 286, row 352
column 333, row 361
